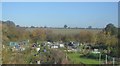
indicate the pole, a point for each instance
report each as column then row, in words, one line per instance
column 106, row 59
column 113, row 61
column 100, row 58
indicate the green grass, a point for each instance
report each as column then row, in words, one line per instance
column 76, row 59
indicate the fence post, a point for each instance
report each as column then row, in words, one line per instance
column 106, row 59
column 113, row 61
column 100, row 58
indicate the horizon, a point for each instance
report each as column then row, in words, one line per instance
column 57, row 14
column 88, row 27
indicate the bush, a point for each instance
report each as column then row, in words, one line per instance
column 93, row 56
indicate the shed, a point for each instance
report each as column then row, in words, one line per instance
column 12, row 44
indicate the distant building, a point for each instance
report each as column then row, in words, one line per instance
column 61, row 45
column 12, row 44
column 17, row 46
column 37, row 49
column 54, row 46
column 95, row 51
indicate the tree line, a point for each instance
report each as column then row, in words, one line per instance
column 108, row 36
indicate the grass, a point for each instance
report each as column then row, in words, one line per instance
column 76, row 59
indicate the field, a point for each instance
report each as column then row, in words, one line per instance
column 63, row 31
column 76, row 59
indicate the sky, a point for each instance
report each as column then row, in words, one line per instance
column 57, row 14
column 0, row 10
column 60, row 0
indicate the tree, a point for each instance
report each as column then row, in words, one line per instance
column 9, row 23
column 65, row 26
column 86, row 36
column 45, row 26
column 32, row 27
column 22, row 34
column 49, row 35
column 89, row 27
column 17, row 25
column 38, row 34
column 60, row 55
column 110, row 29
